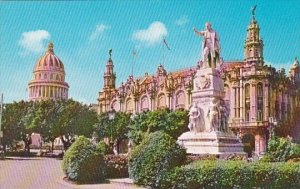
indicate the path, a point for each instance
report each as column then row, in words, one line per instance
column 41, row 173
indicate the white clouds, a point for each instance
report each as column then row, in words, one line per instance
column 33, row 41
column 153, row 34
column 100, row 28
column 182, row 21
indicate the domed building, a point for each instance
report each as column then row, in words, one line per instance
column 48, row 78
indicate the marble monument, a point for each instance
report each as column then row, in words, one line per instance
column 208, row 115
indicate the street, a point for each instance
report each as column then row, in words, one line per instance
column 41, row 173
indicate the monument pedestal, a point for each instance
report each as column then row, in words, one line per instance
column 208, row 124
column 217, row 143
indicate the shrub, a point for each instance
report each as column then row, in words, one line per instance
column 116, row 165
column 282, row 149
column 153, row 158
column 83, row 163
column 102, row 148
column 233, row 174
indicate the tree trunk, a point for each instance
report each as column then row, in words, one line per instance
column 52, row 146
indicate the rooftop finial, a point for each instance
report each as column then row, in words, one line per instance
column 253, row 11
column 110, row 52
column 50, row 47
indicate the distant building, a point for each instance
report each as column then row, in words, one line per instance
column 256, row 95
column 48, row 78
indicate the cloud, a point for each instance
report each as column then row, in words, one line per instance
column 153, row 34
column 100, row 28
column 33, row 41
column 182, row 21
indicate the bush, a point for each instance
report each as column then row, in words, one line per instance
column 282, row 149
column 150, row 161
column 102, row 148
column 83, row 163
column 233, row 174
column 116, row 165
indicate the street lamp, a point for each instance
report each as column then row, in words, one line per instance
column 111, row 117
column 1, row 132
column 273, row 124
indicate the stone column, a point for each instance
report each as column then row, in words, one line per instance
column 232, row 102
column 253, row 101
column 242, row 101
column 266, row 102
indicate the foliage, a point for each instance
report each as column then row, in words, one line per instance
column 115, row 129
column 153, row 158
column 82, row 162
column 14, row 128
column 116, row 165
column 103, row 148
column 49, row 118
column 282, row 149
column 173, row 123
column 233, row 174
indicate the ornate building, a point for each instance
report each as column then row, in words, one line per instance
column 48, row 78
column 257, row 96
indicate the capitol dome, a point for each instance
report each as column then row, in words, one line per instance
column 48, row 78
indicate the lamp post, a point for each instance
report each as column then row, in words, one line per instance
column 1, row 132
column 111, row 117
column 273, row 124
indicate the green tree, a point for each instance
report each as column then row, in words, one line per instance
column 173, row 123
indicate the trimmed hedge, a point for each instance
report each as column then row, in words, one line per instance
column 83, row 163
column 150, row 161
column 233, row 174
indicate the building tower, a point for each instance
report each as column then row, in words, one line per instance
column 253, row 43
column 109, row 86
column 48, row 78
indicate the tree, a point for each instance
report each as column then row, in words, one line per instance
column 115, row 130
column 173, row 123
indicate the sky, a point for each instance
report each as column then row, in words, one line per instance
column 84, row 31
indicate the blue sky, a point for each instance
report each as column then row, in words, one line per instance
column 83, row 32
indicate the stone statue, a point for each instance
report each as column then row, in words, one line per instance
column 110, row 52
column 253, row 10
column 210, row 46
column 195, row 119
column 224, row 117
column 214, row 116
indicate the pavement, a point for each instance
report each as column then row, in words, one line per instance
column 45, row 173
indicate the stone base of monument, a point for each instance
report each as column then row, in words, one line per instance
column 217, row 143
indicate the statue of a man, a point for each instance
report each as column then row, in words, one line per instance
column 210, row 46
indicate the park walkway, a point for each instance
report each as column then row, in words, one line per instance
column 42, row 173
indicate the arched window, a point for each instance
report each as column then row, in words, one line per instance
column 161, row 101
column 145, row 103
column 247, row 102
column 129, row 106
column 45, row 76
column 180, row 100
column 57, row 77
column 51, row 76
column 259, row 102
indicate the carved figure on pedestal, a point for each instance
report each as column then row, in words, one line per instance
column 214, row 116
column 210, row 46
column 224, row 117
column 195, row 119
column 201, row 81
